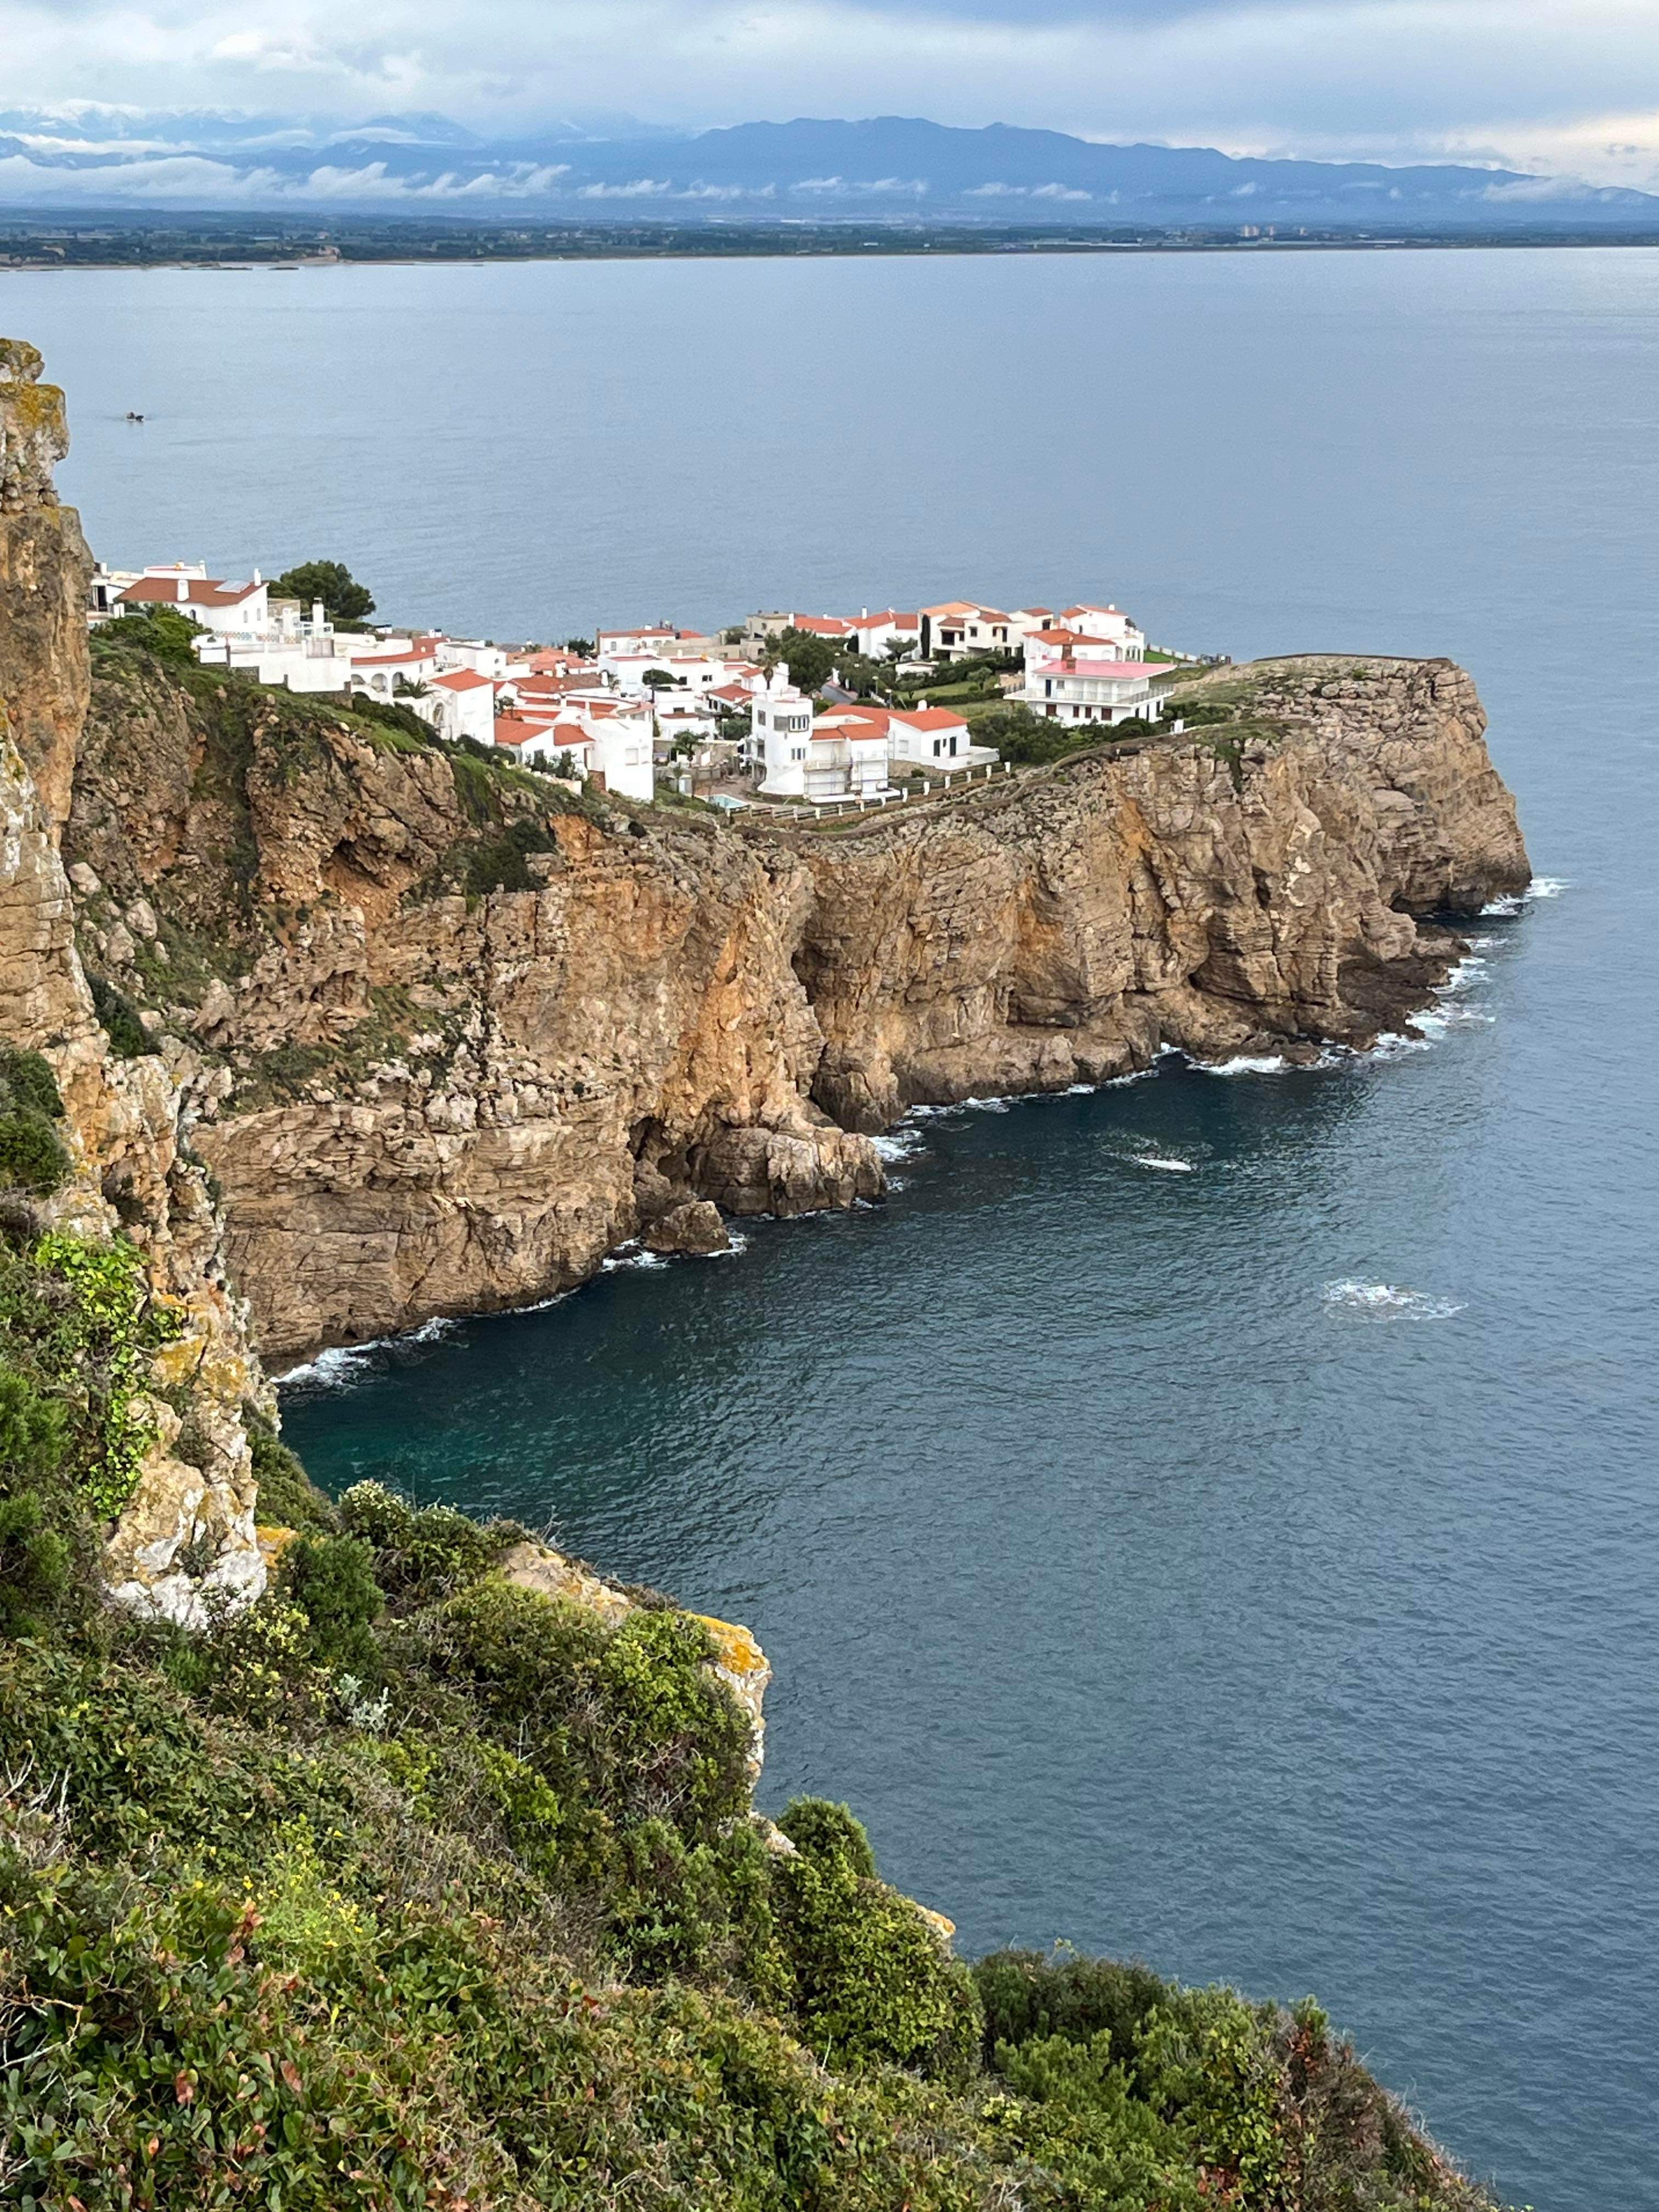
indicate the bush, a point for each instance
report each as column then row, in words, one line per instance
column 421, row 1553
column 874, row 1985
column 119, row 1018
column 624, row 1724
column 162, row 631
column 332, row 1580
column 1028, row 1995
column 31, row 1156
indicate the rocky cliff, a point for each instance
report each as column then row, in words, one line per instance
column 450, row 1035
column 127, row 1167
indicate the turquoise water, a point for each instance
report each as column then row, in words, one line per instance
column 1212, row 1517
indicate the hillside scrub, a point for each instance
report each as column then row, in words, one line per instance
column 408, row 1886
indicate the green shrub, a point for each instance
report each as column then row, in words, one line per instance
column 161, row 631
column 874, row 1985
column 119, row 1018
column 624, row 1724
column 332, row 1580
column 1028, row 1995
column 500, row 863
column 422, row 1554
column 28, row 1085
column 32, row 1155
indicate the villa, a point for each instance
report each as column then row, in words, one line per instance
column 1091, row 666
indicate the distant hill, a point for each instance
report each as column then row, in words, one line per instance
column 888, row 168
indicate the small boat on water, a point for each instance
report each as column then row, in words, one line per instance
column 132, row 416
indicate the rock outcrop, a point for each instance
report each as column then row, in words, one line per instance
column 433, row 1081
column 1224, row 894
column 130, row 1172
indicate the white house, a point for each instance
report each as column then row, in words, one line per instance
column 960, row 629
column 285, row 649
column 614, row 750
column 459, row 703
column 392, row 662
column 186, row 585
column 1074, row 675
column 873, row 633
column 780, row 733
column 933, row 738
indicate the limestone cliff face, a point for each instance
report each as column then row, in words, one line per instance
column 122, row 1116
column 421, row 1098
column 1222, row 897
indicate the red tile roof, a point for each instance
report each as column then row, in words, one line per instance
column 460, row 679
column 163, row 591
column 932, row 717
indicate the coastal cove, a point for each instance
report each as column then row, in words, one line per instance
column 1208, row 1516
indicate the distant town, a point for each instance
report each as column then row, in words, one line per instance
column 123, row 239
column 789, row 708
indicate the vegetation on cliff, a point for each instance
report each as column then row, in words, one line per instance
column 409, row 1887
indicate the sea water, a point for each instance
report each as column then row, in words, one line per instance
column 1212, row 1518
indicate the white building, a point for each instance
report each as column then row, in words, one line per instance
column 612, row 750
column 187, row 586
column 779, row 733
column 1091, row 666
column 459, row 703
column 933, row 738
column 287, row 649
column 873, row 635
column 852, row 751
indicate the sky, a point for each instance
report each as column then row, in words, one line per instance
column 1568, row 86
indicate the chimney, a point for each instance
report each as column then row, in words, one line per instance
column 317, row 617
column 257, row 577
column 184, row 591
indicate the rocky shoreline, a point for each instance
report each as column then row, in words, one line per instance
column 422, row 1101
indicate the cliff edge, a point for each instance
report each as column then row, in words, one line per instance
column 447, row 1033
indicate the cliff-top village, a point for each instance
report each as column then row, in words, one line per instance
column 634, row 709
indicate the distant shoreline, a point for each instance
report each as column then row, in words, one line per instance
column 30, row 243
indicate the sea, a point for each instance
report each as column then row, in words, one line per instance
column 1214, row 1518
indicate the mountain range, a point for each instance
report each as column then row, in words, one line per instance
column 890, row 167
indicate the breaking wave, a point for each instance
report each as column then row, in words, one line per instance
column 1387, row 1302
column 343, row 1363
column 1541, row 887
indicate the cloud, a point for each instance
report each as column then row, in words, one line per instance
column 1569, row 84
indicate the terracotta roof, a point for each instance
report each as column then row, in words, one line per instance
column 460, row 679
column 932, row 717
column 393, row 659
column 163, row 591
column 510, row 731
column 952, row 607
column 823, row 625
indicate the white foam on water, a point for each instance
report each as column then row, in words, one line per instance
column 1169, row 1164
column 900, row 1144
column 1247, row 1064
column 736, row 1242
column 342, row 1364
column 1541, row 887
column 987, row 1105
column 1387, row 1302
column 632, row 1255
